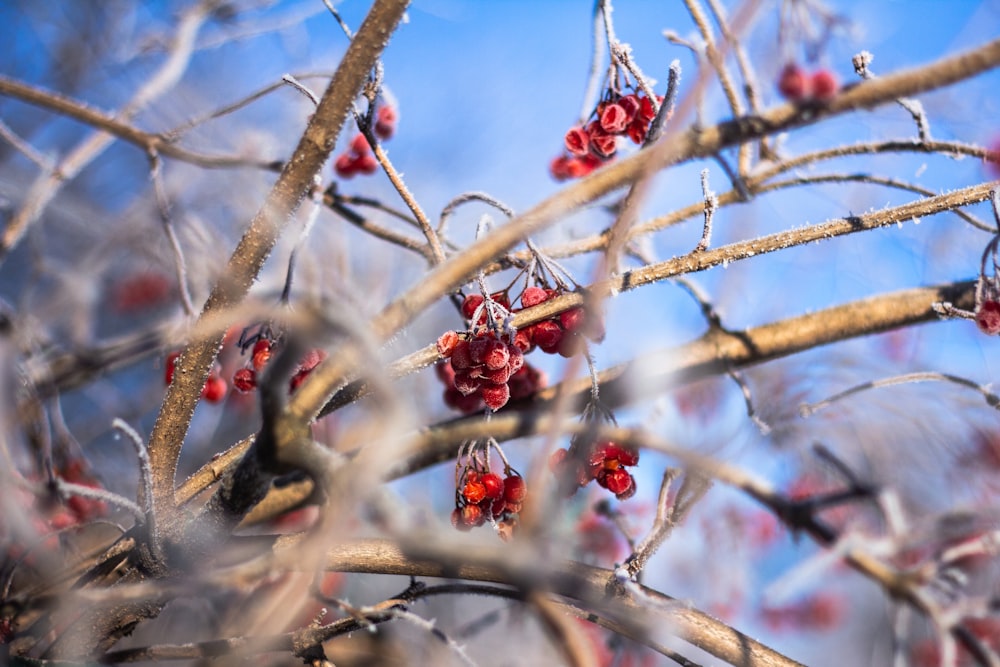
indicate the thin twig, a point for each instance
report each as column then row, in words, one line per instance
column 145, row 474
column 433, row 241
column 741, row 382
column 913, row 106
column 302, row 88
column 711, row 205
column 809, row 409
column 24, row 148
column 163, row 207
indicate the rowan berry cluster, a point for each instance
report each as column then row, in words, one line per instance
column 591, row 145
column 261, row 343
column 482, row 496
column 215, row 386
column 479, row 370
column 358, row 159
column 486, row 370
column 797, row 85
column 604, row 461
column 262, row 346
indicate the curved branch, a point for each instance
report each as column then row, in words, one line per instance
column 570, row 579
column 153, row 144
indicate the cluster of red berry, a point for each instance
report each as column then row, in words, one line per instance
column 604, row 461
column 262, row 346
column 480, row 370
column 359, row 159
column 485, row 496
column 484, row 370
column 245, row 379
column 590, row 146
column 797, row 85
column 215, row 387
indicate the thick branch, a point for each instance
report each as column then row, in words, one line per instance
column 253, row 249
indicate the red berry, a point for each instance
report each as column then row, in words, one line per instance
column 312, row 359
column 385, row 122
column 478, row 347
column 581, row 166
column 142, row 290
column 446, row 343
column 493, row 484
column 366, row 164
column 466, row 384
column 576, row 141
column 474, row 492
column 602, row 144
column 495, row 396
column 461, row 357
column 496, row 355
column 526, row 382
column 454, row 399
column 472, row 515
column 261, row 353
column 638, row 129
column 614, row 119
column 620, row 483
column 824, row 85
column 557, row 460
column 516, row 358
column 630, row 105
column 359, row 144
column 572, row 319
column 794, row 84
column 559, row 168
column 992, row 159
column 502, row 299
column 445, row 373
column 646, row 110
column 245, row 380
column 514, row 489
column 532, row 296
column 344, row 165
column 523, row 341
column 499, row 376
column 988, row 317
column 471, row 304
column 214, row 389
column 168, row 375
column 547, row 335
column 570, row 345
